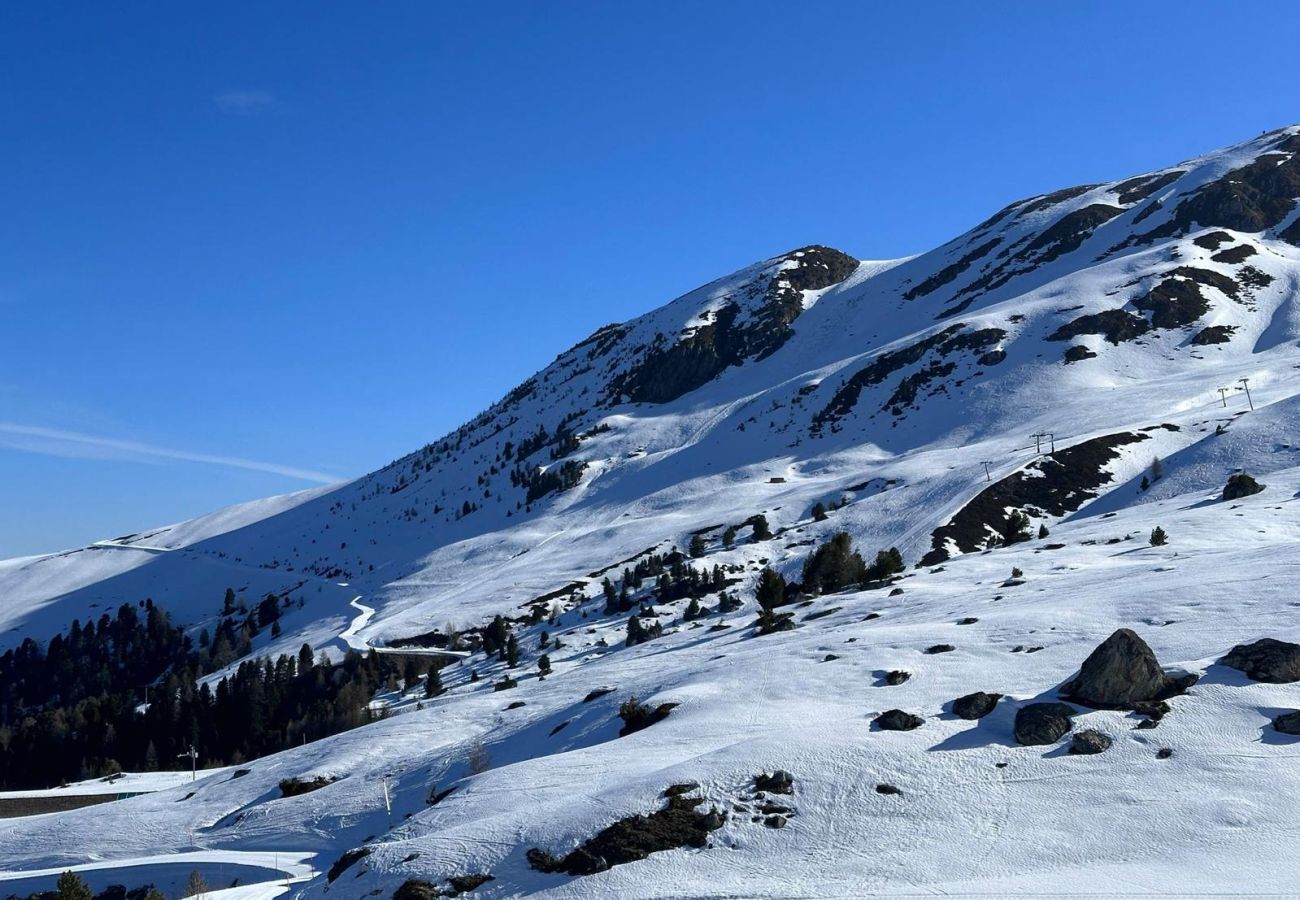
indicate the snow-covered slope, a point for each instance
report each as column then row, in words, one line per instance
column 1099, row 322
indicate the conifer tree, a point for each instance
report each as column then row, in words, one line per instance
column 433, row 683
column 771, row 588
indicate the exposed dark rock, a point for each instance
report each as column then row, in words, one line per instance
column 346, row 861
column 1251, row 277
column 1054, row 198
column 669, row 371
column 968, row 620
column 896, row 677
column 775, row 821
column 1164, row 753
column 877, row 371
column 1173, row 303
column 1153, row 709
column 1078, row 353
column 463, row 883
column 1234, row 255
column 1241, row 485
column 597, row 694
column 975, row 706
column 1089, row 741
column 1116, row 325
column 1137, row 189
column 293, row 787
column 1121, row 672
column 416, row 889
column 940, row 648
column 634, row 838
column 685, row 787
column 1067, row 233
column 897, row 720
column 950, row 272
column 888, row 790
column 778, row 782
column 1253, row 198
column 1057, row 484
column 1213, row 334
column 637, row 716
column 1288, row 723
column 1273, row 661
column 946, row 342
column 1043, row 723
column 1213, row 240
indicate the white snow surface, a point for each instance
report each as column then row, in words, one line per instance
column 978, row 814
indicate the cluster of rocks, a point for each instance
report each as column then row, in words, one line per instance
column 1122, row 673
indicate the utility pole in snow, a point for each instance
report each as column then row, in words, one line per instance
column 388, row 803
column 1245, row 386
column 985, row 463
column 1223, row 395
column 193, row 754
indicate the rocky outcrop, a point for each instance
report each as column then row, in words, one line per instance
column 975, row 706
column 1122, row 673
column 1276, row 662
column 1288, row 723
column 897, row 720
column 1089, row 742
column 1241, row 485
column 734, row 335
column 1043, row 723
column 1057, row 483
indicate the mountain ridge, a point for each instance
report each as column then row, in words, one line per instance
column 1031, row 367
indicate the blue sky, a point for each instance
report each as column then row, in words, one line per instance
column 250, row 247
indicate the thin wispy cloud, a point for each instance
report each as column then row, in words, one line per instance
column 244, row 103
column 56, row 442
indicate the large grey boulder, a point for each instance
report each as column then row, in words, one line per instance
column 1123, row 672
column 1277, row 662
column 1043, row 723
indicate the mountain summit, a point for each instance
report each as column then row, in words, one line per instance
column 1010, row 416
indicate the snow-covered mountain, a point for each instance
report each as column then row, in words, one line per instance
column 1037, row 363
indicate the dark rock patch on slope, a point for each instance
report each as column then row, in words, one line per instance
column 1138, row 189
column 1213, row 334
column 1253, row 198
column 1057, row 483
column 950, row 272
column 668, row 372
column 951, row 340
column 678, row 824
column 1115, row 325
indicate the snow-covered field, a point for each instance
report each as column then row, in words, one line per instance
column 398, row 553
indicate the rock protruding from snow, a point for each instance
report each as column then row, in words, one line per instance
column 1241, row 485
column 975, row 706
column 1277, row 662
column 1121, row 673
column 1090, row 742
column 1043, row 723
column 898, row 720
column 1288, row 723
